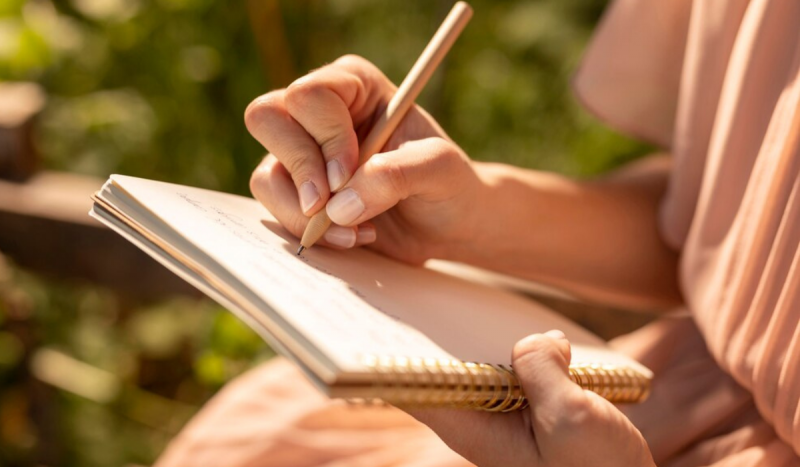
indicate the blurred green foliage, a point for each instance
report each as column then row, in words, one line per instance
column 104, row 383
column 157, row 89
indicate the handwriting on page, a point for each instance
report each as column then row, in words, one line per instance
column 328, row 307
column 233, row 223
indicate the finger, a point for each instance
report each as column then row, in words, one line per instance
column 320, row 102
column 366, row 234
column 376, row 92
column 269, row 122
column 417, row 168
column 326, row 103
column 340, row 238
column 272, row 186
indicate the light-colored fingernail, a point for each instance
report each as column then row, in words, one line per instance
column 335, row 175
column 309, row 195
column 345, row 207
column 556, row 334
column 366, row 234
column 340, row 236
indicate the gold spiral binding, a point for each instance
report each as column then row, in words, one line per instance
column 417, row 381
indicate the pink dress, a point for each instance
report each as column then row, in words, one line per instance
column 717, row 82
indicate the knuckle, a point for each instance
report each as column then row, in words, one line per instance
column 300, row 168
column 567, row 416
column 441, row 146
column 447, row 156
column 362, row 69
column 304, row 91
column 354, row 61
column 578, row 405
column 576, row 412
column 263, row 108
column 295, row 165
column 392, row 174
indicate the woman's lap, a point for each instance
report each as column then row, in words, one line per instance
column 272, row 416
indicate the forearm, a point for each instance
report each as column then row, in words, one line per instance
column 598, row 240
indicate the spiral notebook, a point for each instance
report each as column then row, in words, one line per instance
column 361, row 326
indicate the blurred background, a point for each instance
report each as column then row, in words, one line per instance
column 104, row 355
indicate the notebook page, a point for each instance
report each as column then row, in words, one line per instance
column 356, row 303
column 314, row 364
column 248, row 242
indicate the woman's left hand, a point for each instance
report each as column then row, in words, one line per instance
column 564, row 426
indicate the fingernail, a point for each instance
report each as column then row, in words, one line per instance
column 308, row 195
column 366, row 234
column 335, row 175
column 345, row 207
column 340, row 236
column 556, row 334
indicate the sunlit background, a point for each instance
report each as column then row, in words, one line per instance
column 102, row 360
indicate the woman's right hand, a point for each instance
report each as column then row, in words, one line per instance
column 419, row 198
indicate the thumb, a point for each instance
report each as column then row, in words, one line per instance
column 541, row 362
column 417, row 168
column 561, row 413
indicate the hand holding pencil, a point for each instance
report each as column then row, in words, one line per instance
column 413, row 201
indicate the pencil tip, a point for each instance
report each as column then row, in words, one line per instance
column 300, row 250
